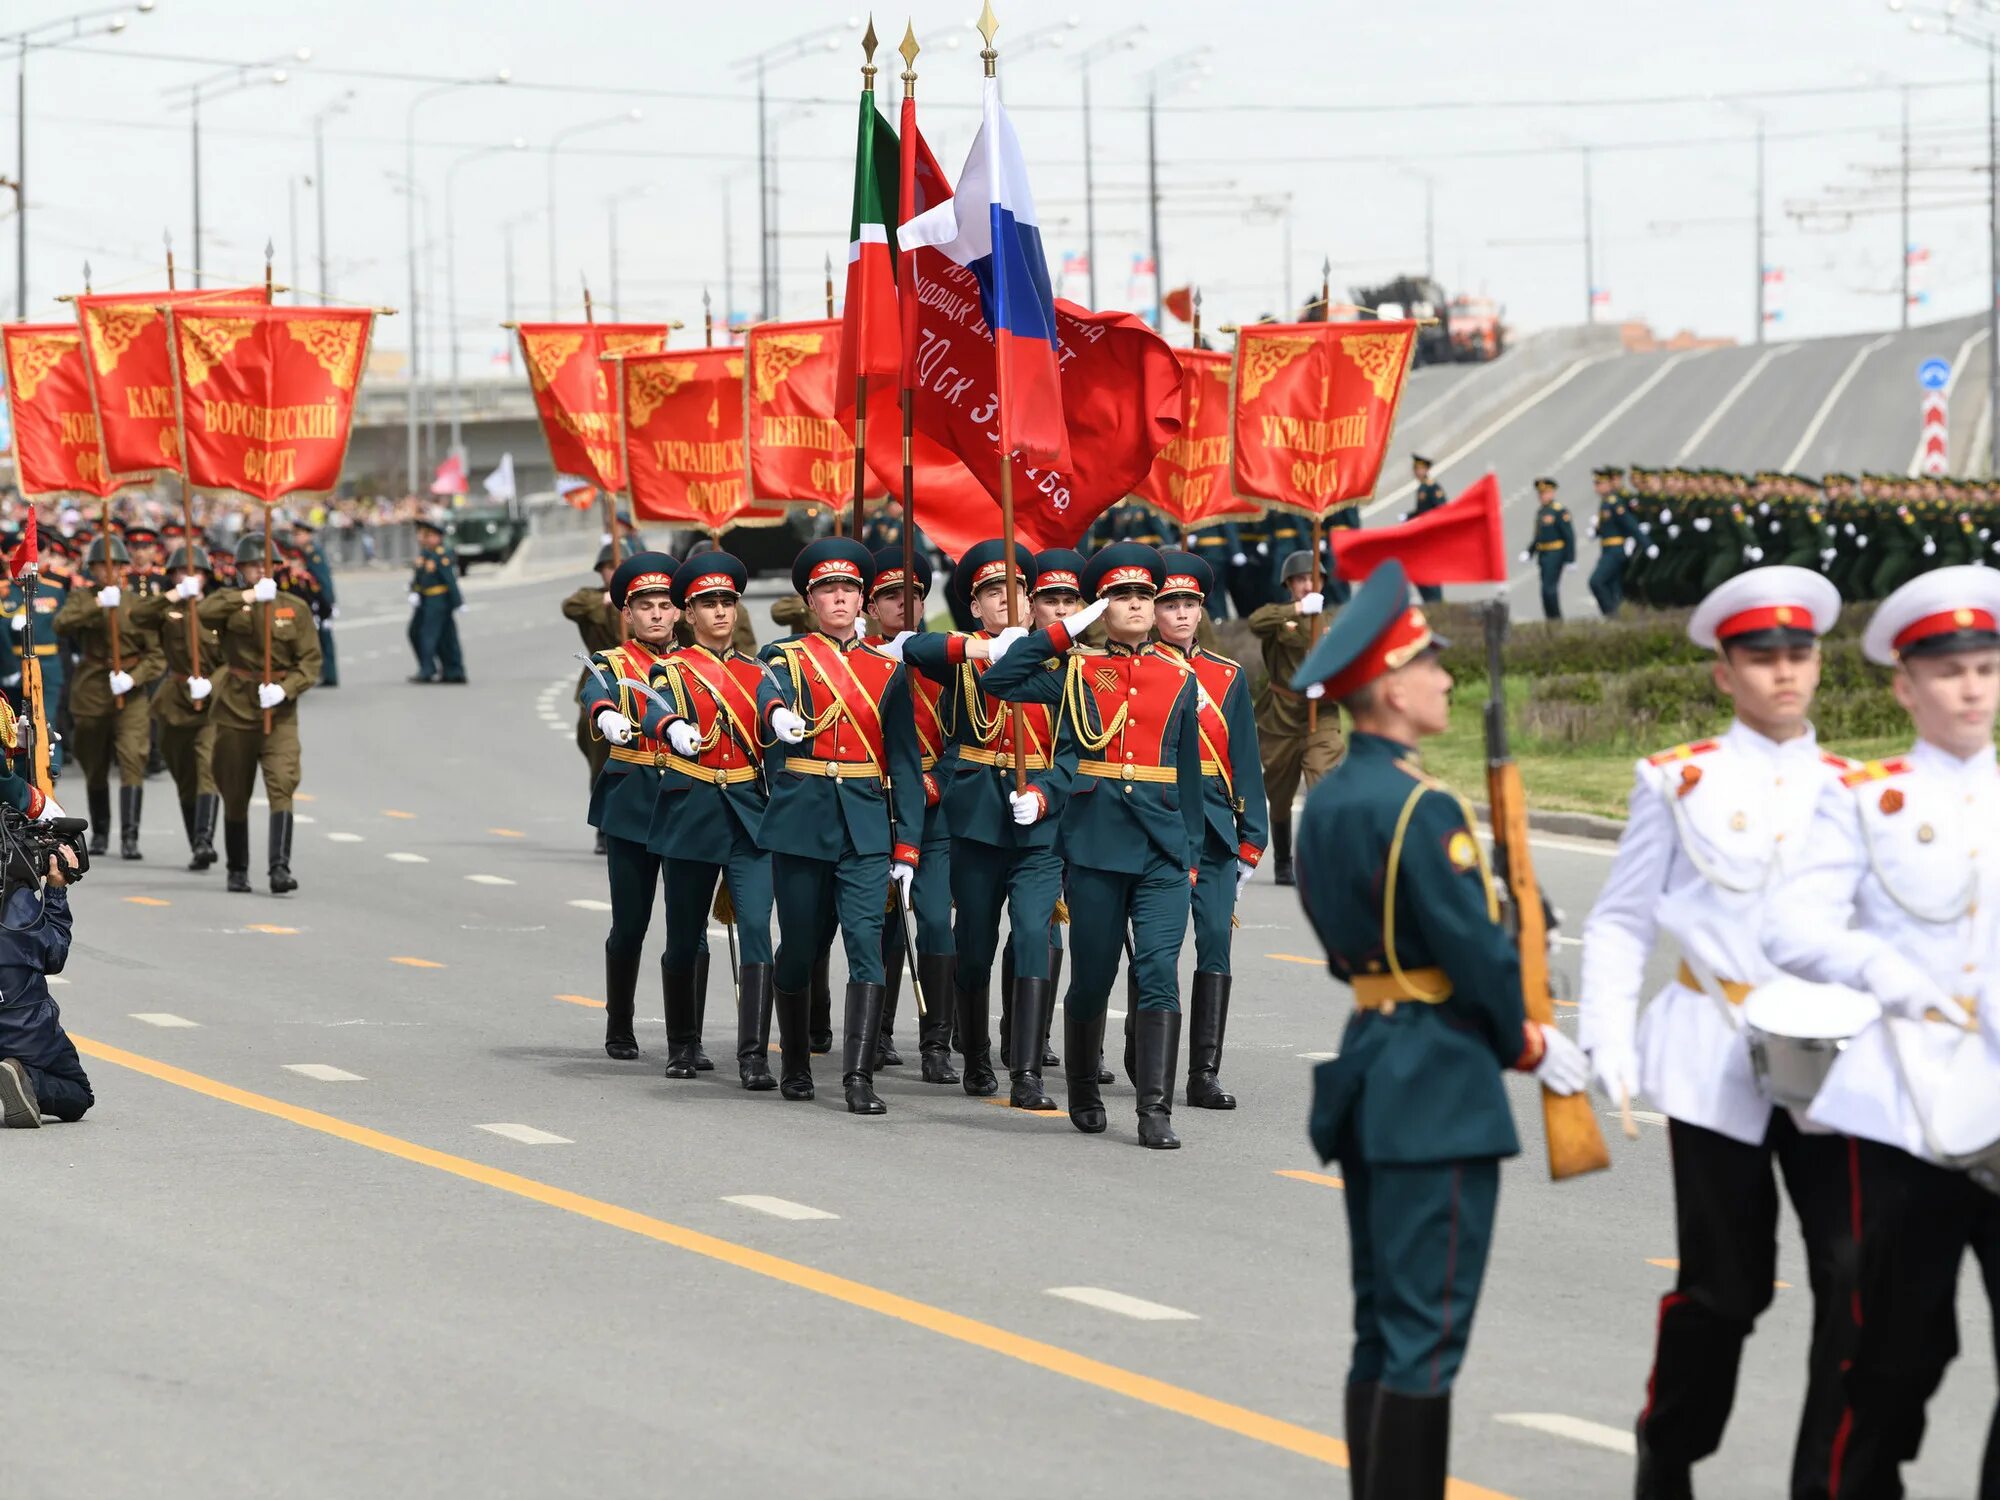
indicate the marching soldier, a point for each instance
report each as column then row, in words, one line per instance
column 1133, row 828
column 1395, row 883
column 1554, row 546
column 315, row 563
column 1233, row 808
column 791, row 615
column 1714, row 827
column 1613, row 530
column 434, row 605
column 847, row 808
column 181, row 713
column 32, row 632
column 242, row 697
column 105, row 698
column 598, row 621
column 708, row 815
column 1430, row 495
column 1294, row 748
column 1004, row 850
column 1893, row 897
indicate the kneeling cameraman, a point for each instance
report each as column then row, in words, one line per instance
column 40, row 1072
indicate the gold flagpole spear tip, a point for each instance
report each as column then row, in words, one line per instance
column 909, row 49
column 869, row 41
column 988, row 24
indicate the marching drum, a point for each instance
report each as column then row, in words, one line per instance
column 1796, row 1030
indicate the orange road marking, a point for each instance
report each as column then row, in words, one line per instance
column 274, row 931
column 1319, row 1177
column 1040, row 1114
column 1147, row 1390
column 417, row 963
column 304, row 797
column 1294, row 958
column 507, row 833
column 148, row 901
column 391, row 812
column 1674, row 1265
column 582, row 1000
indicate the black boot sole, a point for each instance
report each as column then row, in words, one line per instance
column 938, row 1069
column 795, row 1091
column 861, row 1100
column 1090, row 1121
column 1209, row 1095
column 1158, row 1135
column 981, row 1082
column 758, row 1082
column 1029, row 1094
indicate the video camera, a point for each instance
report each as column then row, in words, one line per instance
column 26, row 846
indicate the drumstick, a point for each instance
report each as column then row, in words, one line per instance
column 1625, row 1115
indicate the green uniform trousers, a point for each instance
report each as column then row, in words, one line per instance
column 691, row 893
column 806, row 891
column 1104, row 906
column 1292, row 757
column 1607, row 580
column 126, row 736
column 634, row 873
column 189, row 751
column 984, row 879
column 1418, row 1237
column 1551, row 564
column 239, row 753
column 1214, row 901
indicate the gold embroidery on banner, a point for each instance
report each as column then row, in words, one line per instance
column 334, row 342
column 778, row 355
column 33, row 358
column 206, row 342
column 1263, row 358
column 112, row 331
column 547, row 354
column 646, row 386
column 635, row 343
column 1380, row 357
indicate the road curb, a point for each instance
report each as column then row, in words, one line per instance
column 1573, row 825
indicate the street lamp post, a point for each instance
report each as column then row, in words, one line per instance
column 26, row 41
column 625, row 117
column 1168, row 73
column 1118, row 41
column 507, row 229
column 319, row 119
column 451, row 280
column 611, row 202
column 233, row 80
column 1589, row 247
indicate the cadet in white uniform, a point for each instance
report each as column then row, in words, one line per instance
column 1713, row 825
column 1908, row 849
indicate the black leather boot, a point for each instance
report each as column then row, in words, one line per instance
column 886, row 1055
column 599, row 849
column 1157, row 1037
column 1032, row 1001
column 1007, row 1005
column 1281, row 848
column 701, row 1058
column 1131, row 1014
column 1660, row 1478
column 975, row 1046
column 236, row 854
column 201, row 844
column 795, row 1066
column 621, row 983
column 753, row 1028
column 822, row 1006
column 861, row 1025
column 282, row 879
column 1360, row 1403
column 934, row 1027
column 130, row 800
column 682, row 1038
column 187, row 821
column 1083, row 1044
column 1050, row 1061
column 1208, row 1017
column 1411, row 1447
column 100, row 820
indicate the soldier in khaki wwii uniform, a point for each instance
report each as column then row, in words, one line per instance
column 243, row 694
column 1294, row 749
column 105, row 698
column 181, row 712
column 602, row 626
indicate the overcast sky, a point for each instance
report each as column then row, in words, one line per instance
column 1493, row 103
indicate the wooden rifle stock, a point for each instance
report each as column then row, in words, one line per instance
column 1576, row 1144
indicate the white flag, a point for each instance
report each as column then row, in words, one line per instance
column 500, row 483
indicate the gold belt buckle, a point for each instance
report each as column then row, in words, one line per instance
column 722, row 777
column 1128, row 772
column 832, row 769
column 659, row 760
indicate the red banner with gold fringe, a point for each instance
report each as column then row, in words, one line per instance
column 58, row 450
column 683, row 439
column 573, row 393
column 1189, row 480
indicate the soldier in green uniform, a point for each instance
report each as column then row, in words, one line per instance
column 1430, row 495
column 1553, row 547
column 1134, row 826
column 434, row 605
column 1394, row 881
column 1295, row 747
column 31, row 629
column 181, row 712
column 791, row 615
column 106, row 700
column 884, row 530
column 306, row 540
column 846, row 818
column 598, row 621
column 1612, row 529
column 1221, row 547
column 244, row 694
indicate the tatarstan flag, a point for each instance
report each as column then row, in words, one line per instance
column 870, row 340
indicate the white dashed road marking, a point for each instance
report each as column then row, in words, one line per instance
column 1596, row 1434
column 162, row 1018
column 1318, row 1056
column 527, row 1135
column 324, row 1073
column 589, row 905
column 1118, row 1302
column 344, row 838
column 778, row 1208
column 489, row 880
column 408, row 859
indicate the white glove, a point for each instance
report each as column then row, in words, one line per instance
column 1930, row 547
column 788, row 726
column 332, row 614
column 1617, row 1069
column 1563, row 1068
column 1086, row 617
column 19, row 622
column 1244, row 875
column 614, row 726
column 1027, row 807
column 1006, row 641
column 189, row 587
column 893, row 647
column 1861, row 541
column 684, row 737
column 199, row 688
column 460, row 610
column 1524, row 555
column 1316, row 691
column 903, row 875
column 415, row 599
column 1702, row 523
column 108, row 596
column 1238, row 559
column 50, row 811
column 264, row 590
column 270, row 694
column 121, row 683
column 1312, row 604
column 1902, row 989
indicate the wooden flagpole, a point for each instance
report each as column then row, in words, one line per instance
column 909, row 49
column 1318, row 578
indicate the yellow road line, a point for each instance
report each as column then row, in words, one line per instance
column 1225, row 1416
column 1294, row 958
column 1674, row 1265
column 392, row 812
column 1319, row 1177
column 148, row 901
column 582, row 1000
column 417, row 963
column 507, row 833
column 274, row 931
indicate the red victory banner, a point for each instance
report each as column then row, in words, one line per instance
column 1313, row 406
column 1189, row 480
column 267, row 396
column 57, row 447
column 683, row 439
column 131, row 373
column 573, row 394
column 1458, row 542
column 798, row 450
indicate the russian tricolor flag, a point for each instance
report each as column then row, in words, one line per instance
column 989, row 227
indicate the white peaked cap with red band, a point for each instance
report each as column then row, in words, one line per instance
column 1947, row 609
column 1762, row 604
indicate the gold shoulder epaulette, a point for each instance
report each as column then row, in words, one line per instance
column 1875, row 770
column 1081, row 650
column 1417, row 773
column 1683, row 752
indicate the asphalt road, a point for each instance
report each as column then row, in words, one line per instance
column 364, row 1208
